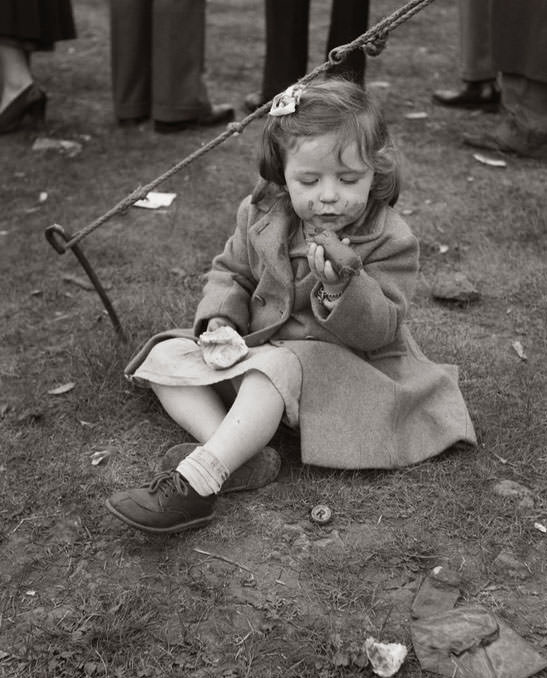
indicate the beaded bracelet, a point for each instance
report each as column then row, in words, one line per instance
column 322, row 295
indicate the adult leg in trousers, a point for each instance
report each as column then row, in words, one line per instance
column 477, row 69
column 520, row 54
column 349, row 19
column 286, row 44
column 178, row 52
column 130, row 44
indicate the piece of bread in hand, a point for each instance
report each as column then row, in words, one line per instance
column 343, row 259
column 222, row 347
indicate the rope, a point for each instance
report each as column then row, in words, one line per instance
column 373, row 41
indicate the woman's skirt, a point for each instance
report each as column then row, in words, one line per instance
column 36, row 24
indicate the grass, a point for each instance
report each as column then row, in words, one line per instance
column 279, row 596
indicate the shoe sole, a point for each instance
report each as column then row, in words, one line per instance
column 190, row 524
column 491, row 107
column 259, row 471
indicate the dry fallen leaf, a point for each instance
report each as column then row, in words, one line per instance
column 519, row 350
column 416, row 115
column 100, row 457
column 65, row 388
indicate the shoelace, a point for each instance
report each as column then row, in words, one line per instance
column 168, row 483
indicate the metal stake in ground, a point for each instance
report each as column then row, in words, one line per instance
column 52, row 234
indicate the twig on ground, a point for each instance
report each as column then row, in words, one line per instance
column 226, row 560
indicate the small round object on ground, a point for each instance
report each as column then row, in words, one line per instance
column 321, row 514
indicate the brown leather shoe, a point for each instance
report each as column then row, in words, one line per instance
column 260, row 470
column 510, row 137
column 484, row 95
column 167, row 504
column 219, row 114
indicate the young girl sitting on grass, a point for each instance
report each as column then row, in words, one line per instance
column 317, row 279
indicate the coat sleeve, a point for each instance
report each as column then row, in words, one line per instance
column 369, row 314
column 230, row 282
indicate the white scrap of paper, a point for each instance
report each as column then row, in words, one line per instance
column 155, row 199
column 416, row 115
column 491, row 162
column 540, row 527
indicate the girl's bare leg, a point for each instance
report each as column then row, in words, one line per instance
column 234, row 436
column 250, row 423
column 199, row 410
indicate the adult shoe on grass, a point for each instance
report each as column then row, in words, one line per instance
column 510, row 137
column 218, row 115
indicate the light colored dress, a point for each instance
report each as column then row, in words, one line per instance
column 178, row 361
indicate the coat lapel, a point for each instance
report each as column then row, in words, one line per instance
column 270, row 238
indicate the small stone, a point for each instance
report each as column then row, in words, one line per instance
column 510, row 488
column 454, row 286
column 508, row 563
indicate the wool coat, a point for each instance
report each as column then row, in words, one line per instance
column 369, row 397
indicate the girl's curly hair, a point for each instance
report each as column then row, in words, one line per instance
column 338, row 106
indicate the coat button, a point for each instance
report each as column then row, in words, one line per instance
column 260, row 300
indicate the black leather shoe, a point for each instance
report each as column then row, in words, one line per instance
column 29, row 104
column 132, row 122
column 253, row 101
column 484, row 95
column 219, row 114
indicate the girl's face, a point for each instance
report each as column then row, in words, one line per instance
column 328, row 189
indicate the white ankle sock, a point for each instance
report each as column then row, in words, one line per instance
column 204, row 472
